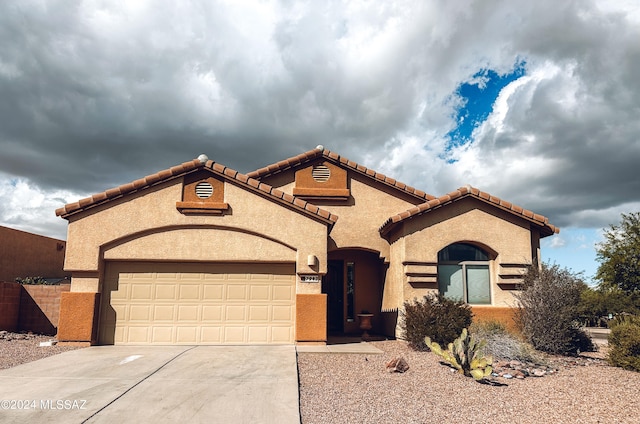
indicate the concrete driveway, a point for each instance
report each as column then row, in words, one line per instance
column 155, row 384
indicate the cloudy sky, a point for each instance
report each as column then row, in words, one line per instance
column 537, row 102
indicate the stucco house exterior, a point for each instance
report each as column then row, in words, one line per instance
column 202, row 254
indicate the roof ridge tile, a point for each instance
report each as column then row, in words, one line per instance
column 181, row 169
column 459, row 194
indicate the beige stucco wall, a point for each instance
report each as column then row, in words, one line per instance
column 467, row 220
column 147, row 226
column 360, row 217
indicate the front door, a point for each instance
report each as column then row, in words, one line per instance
column 333, row 286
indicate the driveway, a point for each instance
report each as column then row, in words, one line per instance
column 155, row 384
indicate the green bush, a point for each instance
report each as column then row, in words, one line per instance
column 436, row 317
column 624, row 343
column 596, row 304
column 548, row 313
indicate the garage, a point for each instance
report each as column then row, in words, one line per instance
column 197, row 303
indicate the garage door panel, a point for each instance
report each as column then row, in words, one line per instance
column 259, row 313
column 188, row 313
column 198, row 303
column 163, row 313
column 212, row 313
column 187, row 334
column 258, row 334
column 281, row 334
column 140, row 313
column 211, row 334
column 234, row 334
column 190, row 291
column 260, row 292
column 236, row 292
column 141, row 291
column 282, row 313
column 166, row 292
column 235, row 313
column 162, row 335
column 213, row 292
column 283, row 293
column 136, row 334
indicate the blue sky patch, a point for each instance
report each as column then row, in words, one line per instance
column 477, row 98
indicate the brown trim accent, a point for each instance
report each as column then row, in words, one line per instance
column 208, row 208
column 405, row 263
column 78, row 320
column 433, row 285
column 322, row 192
column 421, row 274
column 311, row 318
column 509, row 286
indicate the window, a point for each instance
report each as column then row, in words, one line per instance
column 351, row 285
column 463, row 274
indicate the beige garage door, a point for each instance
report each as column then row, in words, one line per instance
column 153, row 303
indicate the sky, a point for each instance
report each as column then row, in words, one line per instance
column 535, row 102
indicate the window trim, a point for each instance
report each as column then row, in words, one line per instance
column 463, row 267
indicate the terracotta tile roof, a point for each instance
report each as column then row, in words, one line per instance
column 469, row 191
column 305, row 157
column 180, row 170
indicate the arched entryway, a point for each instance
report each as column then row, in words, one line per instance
column 353, row 284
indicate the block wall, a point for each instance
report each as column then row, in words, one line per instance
column 9, row 305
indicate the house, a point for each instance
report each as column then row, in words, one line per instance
column 202, row 254
column 25, row 254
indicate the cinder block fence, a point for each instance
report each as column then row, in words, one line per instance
column 33, row 308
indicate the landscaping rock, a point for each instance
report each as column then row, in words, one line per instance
column 397, row 364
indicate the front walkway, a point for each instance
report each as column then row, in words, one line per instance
column 341, row 344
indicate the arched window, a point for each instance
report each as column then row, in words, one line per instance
column 463, row 274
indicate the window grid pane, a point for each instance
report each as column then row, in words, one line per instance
column 478, row 291
column 450, row 281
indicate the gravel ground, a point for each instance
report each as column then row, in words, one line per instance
column 352, row 388
column 19, row 348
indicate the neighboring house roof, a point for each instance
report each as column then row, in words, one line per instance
column 318, row 152
column 464, row 192
column 201, row 163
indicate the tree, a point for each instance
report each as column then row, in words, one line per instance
column 619, row 255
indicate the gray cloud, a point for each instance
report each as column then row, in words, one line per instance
column 93, row 95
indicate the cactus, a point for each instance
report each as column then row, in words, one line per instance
column 465, row 355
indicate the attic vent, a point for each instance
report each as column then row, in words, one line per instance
column 321, row 173
column 204, row 190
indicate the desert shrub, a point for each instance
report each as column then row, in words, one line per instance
column 548, row 313
column 625, row 319
column 487, row 328
column 624, row 343
column 32, row 281
column 500, row 343
column 436, row 317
